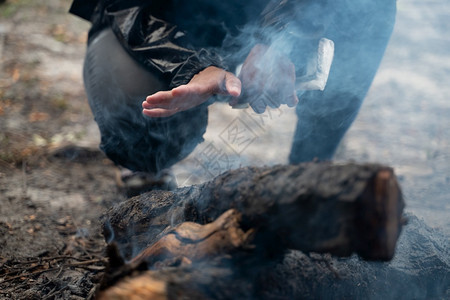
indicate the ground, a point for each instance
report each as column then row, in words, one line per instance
column 55, row 183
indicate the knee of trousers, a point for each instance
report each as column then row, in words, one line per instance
column 152, row 144
column 322, row 122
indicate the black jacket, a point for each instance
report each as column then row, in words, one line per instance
column 175, row 37
column 179, row 38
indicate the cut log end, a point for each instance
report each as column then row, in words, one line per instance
column 380, row 221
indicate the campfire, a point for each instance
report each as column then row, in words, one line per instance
column 222, row 239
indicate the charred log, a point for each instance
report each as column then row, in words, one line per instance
column 419, row 270
column 238, row 226
column 315, row 207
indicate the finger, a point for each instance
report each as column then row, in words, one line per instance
column 181, row 91
column 233, row 85
column 258, row 106
column 292, row 98
column 159, row 112
column 273, row 104
column 162, row 98
column 152, row 105
column 270, row 99
column 287, row 95
column 292, row 101
column 275, row 91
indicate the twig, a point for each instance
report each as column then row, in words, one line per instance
column 87, row 262
column 59, row 272
column 60, row 257
column 29, row 274
column 27, row 269
column 24, row 178
column 92, row 268
column 15, row 288
column 80, row 263
column 88, row 265
column 53, row 293
column 91, row 294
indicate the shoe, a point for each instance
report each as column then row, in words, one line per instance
column 134, row 183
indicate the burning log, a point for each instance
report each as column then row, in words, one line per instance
column 192, row 241
column 254, row 215
column 186, row 243
column 315, row 207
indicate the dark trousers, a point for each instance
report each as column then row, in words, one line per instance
column 117, row 85
column 361, row 36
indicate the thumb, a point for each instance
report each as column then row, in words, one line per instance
column 233, row 85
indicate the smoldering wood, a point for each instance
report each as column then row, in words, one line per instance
column 314, row 207
column 419, row 270
column 191, row 241
column 187, row 282
column 234, row 229
column 192, row 261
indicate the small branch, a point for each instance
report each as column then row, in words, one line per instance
column 24, row 179
column 53, row 293
column 29, row 274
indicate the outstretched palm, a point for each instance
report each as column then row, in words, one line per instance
column 210, row 81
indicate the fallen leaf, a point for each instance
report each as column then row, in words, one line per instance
column 16, row 75
column 38, row 117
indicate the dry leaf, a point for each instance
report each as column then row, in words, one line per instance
column 38, row 117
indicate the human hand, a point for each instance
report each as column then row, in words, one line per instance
column 268, row 79
column 210, row 81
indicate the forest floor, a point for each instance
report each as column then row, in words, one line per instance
column 54, row 182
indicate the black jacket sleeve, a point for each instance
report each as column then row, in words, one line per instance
column 180, row 38
column 160, row 45
column 150, row 37
column 83, row 8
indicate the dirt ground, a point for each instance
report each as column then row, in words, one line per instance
column 55, row 184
